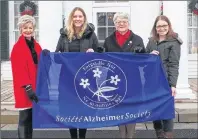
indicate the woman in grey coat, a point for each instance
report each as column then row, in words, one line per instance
column 165, row 43
column 78, row 36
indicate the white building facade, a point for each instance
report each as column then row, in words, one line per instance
column 100, row 13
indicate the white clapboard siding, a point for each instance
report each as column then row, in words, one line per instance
column 192, row 66
column 6, row 73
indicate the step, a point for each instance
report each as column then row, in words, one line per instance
column 186, row 101
column 100, row 134
column 7, row 106
column 9, row 116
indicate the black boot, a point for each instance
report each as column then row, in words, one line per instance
column 22, row 132
column 73, row 133
column 82, row 133
column 25, row 124
column 29, row 131
column 25, row 132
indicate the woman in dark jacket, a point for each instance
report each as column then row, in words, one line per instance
column 78, row 36
column 124, row 40
column 165, row 43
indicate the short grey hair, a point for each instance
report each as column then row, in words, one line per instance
column 120, row 15
column 26, row 19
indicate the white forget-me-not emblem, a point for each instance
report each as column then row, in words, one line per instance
column 100, row 84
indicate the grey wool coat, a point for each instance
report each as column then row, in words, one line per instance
column 169, row 51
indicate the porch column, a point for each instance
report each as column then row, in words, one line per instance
column 176, row 11
column 50, row 22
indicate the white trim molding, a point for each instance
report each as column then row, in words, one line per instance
column 183, row 87
column 104, row 4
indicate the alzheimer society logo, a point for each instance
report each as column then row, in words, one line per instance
column 100, row 84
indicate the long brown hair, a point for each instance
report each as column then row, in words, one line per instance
column 170, row 34
column 70, row 28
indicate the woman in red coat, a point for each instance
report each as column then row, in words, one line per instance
column 24, row 61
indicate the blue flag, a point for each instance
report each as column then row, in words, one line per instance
column 92, row 90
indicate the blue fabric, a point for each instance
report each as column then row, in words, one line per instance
column 92, row 90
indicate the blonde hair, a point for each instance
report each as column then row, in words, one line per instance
column 70, row 28
column 26, row 19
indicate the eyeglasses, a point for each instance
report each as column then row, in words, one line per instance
column 120, row 22
column 161, row 26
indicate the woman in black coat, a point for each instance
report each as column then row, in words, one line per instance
column 124, row 40
column 78, row 36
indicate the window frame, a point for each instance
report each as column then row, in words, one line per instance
column 111, row 4
column 107, row 10
column 12, row 29
column 104, row 26
column 192, row 56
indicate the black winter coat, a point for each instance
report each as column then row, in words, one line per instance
column 133, row 41
column 88, row 40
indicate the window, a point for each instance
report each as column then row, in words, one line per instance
column 192, row 32
column 16, row 17
column 105, row 25
column 103, row 21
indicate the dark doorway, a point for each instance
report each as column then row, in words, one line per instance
column 4, row 30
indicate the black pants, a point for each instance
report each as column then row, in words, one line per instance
column 74, row 134
column 165, row 125
column 25, row 124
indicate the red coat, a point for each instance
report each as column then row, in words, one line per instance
column 24, row 71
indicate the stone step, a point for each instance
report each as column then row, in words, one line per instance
column 9, row 116
column 182, row 132
column 186, row 101
column 7, row 105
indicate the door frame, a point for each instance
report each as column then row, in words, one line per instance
column 108, row 9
